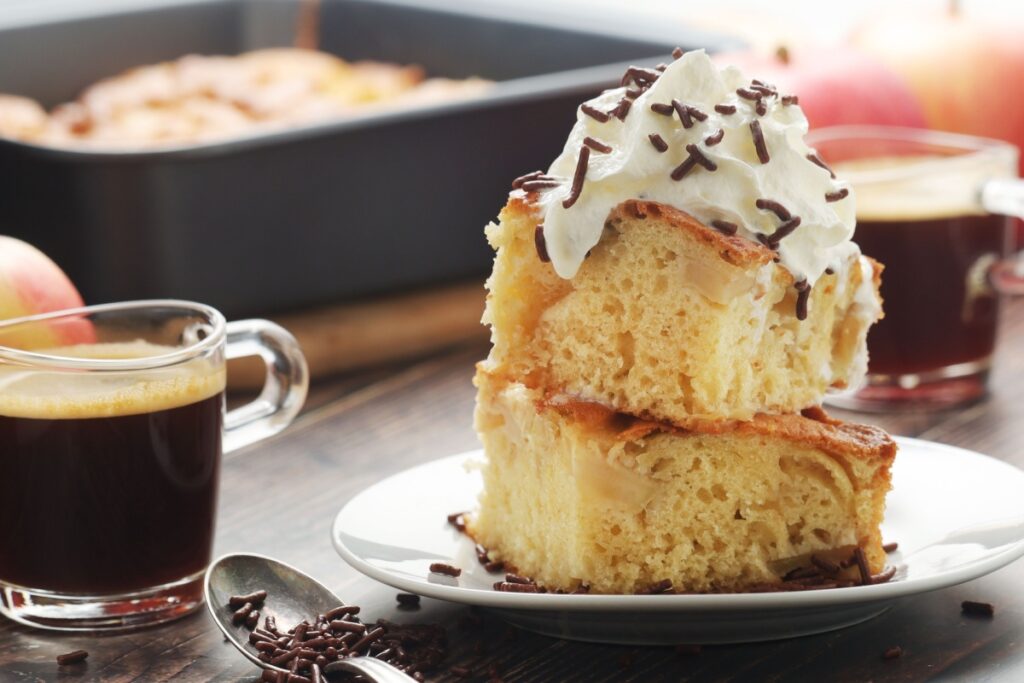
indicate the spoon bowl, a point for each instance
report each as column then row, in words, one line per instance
column 291, row 597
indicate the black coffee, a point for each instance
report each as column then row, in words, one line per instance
column 110, row 504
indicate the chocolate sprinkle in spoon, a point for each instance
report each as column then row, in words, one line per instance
column 291, row 597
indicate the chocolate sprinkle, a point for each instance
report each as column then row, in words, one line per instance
column 534, row 185
column 713, row 140
column 725, row 227
column 663, row 109
column 684, row 113
column 510, row 587
column 458, row 519
column 885, row 576
column 639, row 75
column 72, row 657
column 763, row 88
column 790, row 99
column 977, row 609
column 677, row 53
column 775, row 207
column 697, row 113
column 516, row 578
column 725, row 108
column 658, row 142
column 682, row 169
column 446, row 569
column 634, row 93
column 701, row 159
column 762, row 150
column 578, row 177
column 594, row 113
column 841, row 193
column 785, row 229
column 803, row 293
column 621, row 109
column 596, row 145
column 890, row 547
column 256, row 598
column 858, row 553
column 893, row 652
column 761, row 108
column 518, row 182
column 749, row 94
column 816, row 160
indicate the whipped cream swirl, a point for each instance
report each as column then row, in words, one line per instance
column 712, row 147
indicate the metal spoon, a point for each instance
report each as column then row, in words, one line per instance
column 292, row 597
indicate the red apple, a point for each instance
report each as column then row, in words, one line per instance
column 836, row 85
column 966, row 72
column 31, row 283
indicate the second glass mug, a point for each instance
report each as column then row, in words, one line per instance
column 112, row 426
column 934, row 208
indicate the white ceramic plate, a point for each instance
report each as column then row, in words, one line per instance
column 956, row 515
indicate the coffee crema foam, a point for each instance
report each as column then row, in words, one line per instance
column 920, row 187
column 29, row 392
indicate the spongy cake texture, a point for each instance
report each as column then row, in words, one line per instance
column 670, row 319
column 574, row 492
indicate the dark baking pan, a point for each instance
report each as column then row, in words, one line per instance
column 310, row 215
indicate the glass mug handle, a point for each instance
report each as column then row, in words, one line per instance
column 284, row 390
column 1006, row 196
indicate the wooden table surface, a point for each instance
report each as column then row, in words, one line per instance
column 280, row 497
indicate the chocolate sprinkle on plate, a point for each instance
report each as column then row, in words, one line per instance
column 713, row 140
column 725, row 108
column 858, row 553
column 458, row 519
column 890, row 547
column 72, row 657
column 775, row 207
column 759, row 145
column 816, row 160
column 510, row 587
column 725, row 227
column 597, row 145
column 841, row 193
column 594, row 113
column 977, row 609
column 446, row 569
column 658, row 142
column 578, row 177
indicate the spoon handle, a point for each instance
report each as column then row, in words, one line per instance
column 374, row 669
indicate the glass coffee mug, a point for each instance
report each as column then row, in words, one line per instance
column 112, row 425
column 934, row 209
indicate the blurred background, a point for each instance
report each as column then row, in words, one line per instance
column 344, row 192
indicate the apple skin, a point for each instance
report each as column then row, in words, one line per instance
column 31, row 283
column 965, row 72
column 836, row 86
